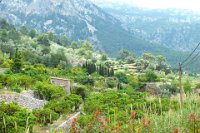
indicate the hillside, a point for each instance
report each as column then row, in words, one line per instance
column 104, row 95
column 79, row 20
column 173, row 28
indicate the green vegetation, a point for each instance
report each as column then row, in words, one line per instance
column 126, row 94
column 14, row 118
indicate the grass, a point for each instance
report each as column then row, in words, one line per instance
column 179, row 119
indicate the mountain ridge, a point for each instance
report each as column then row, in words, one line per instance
column 173, row 28
column 79, row 20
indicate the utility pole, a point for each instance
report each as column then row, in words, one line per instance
column 180, row 83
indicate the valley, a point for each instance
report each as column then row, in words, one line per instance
column 79, row 66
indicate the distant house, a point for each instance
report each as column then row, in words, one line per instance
column 65, row 83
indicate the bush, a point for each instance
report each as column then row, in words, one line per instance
column 64, row 104
column 111, row 83
column 122, row 101
column 187, row 86
column 122, row 77
column 83, row 120
column 16, row 89
column 14, row 119
column 48, row 91
column 167, row 89
column 80, row 90
column 149, row 76
column 45, row 116
column 77, row 74
column 134, row 83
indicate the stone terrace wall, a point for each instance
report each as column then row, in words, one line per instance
column 23, row 100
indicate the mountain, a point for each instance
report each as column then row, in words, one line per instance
column 174, row 28
column 79, row 20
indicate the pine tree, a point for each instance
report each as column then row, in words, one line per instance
column 17, row 62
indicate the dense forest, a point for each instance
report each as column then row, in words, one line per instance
column 127, row 94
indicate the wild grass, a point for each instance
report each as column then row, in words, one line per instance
column 185, row 119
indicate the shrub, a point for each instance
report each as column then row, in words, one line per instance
column 48, row 91
column 45, row 116
column 64, row 104
column 122, row 77
column 134, row 83
column 15, row 119
column 187, row 86
column 149, row 76
column 122, row 101
column 80, row 90
column 16, row 89
column 111, row 83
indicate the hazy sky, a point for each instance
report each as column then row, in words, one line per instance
column 183, row 4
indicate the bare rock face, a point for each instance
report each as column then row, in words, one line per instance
column 25, row 100
column 75, row 18
column 78, row 19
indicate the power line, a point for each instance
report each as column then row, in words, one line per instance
column 193, row 59
column 181, row 71
column 190, row 54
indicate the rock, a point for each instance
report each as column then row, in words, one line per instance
column 26, row 101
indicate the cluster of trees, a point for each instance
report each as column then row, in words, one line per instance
column 31, row 49
column 151, row 62
column 100, row 69
column 126, row 56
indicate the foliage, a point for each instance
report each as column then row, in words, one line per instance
column 122, row 102
column 48, row 91
column 45, row 116
column 134, row 83
column 90, row 67
column 43, row 40
column 149, row 76
column 64, row 104
column 104, row 57
column 111, row 83
column 122, row 77
column 17, row 62
column 126, row 56
column 14, row 118
column 187, row 86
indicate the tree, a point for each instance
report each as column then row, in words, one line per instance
column 46, row 50
column 148, row 57
column 4, row 36
column 122, row 77
column 17, row 62
column 43, row 40
column 104, row 57
column 14, row 35
column 150, row 76
column 32, row 33
column 4, row 24
column 126, row 56
column 64, row 41
column 24, row 30
column 130, row 59
column 74, row 45
column 86, row 46
column 160, row 59
column 123, row 54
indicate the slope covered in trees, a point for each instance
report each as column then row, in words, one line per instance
column 117, row 93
